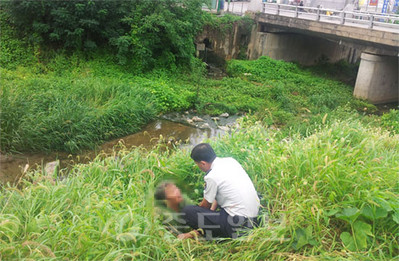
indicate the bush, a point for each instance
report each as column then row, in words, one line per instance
column 390, row 120
column 14, row 51
column 153, row 34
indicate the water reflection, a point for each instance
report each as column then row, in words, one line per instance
column 11, row 167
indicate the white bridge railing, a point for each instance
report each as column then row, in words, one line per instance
column 385, row 22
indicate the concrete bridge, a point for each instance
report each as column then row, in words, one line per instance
column 306, row 35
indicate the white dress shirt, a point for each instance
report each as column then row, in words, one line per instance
column 230, row 185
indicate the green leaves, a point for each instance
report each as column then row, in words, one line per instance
column 390, row 120
column 358, row 240
column 99, row 211
column 395, row 216
column 303, row 237
column 361, row 231
column 10, row 227
column 70, row 113
column 165, row 28
column 348, row 214
column 374, row 212
column 162, row 34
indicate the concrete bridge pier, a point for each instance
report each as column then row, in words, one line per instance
column 377, row 79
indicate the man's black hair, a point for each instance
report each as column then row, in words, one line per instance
column 203, row 152
column 160, row 190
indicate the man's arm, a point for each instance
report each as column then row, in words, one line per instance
column 209, row 194
column 214, row 205
column 205, row 204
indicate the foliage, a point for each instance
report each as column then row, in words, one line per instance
column 152, row 33
column 298, row 91
column 74, row 110
column 330, row 196
column 13, row 51
column 341, row 70
column 216, row 22
column 391, row 120
column 327, row 177
column 169, row 96
column 278, row 92
column 49, row 113
column 224, row 24
column 70, row 86
column 71, row 24
column 163, row 32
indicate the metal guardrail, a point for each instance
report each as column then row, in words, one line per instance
column 385, row 22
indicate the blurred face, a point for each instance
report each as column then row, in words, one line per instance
column 173, row 195
column 203, row 165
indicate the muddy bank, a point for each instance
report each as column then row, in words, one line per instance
column 175, row 129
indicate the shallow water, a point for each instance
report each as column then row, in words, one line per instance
column 12, row 166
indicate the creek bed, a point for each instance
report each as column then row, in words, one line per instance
column 174, row 128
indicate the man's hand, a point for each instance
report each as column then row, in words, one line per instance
column 205, row 204
column 184, row 236
column 192, row 234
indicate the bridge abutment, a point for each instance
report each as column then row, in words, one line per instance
column 377, row 79
column 304, row 49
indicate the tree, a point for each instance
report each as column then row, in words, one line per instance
column 153, row 33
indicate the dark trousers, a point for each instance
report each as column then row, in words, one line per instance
column 216, row 224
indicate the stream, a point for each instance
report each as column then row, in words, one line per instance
column 184, row 129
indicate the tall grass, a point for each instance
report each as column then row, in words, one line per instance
column 49, row 113
column 67, row 103
column 80, row 109
column 103, row 209
column 295, row 89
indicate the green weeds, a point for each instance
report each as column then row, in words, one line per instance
column 51, row 113
column 71, row 110
column 328, row 178
column 390, row 120
column 330, row 195
column 71, row 104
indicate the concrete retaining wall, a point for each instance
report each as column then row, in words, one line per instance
column 228, row 43
column 305, row 49
column 225, row 42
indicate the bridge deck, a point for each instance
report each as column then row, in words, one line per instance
column 381, row 22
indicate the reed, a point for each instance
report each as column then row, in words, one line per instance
column 47, row 112
column 319, row 190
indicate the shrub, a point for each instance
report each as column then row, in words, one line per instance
column 151, row 33
column 390, row 120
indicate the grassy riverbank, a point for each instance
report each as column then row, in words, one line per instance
column 71, row 104
column 331, row 195
column 55, row 99
column 326, row 166
column 77, row 108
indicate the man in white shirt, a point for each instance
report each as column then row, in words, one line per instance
column 227, row 185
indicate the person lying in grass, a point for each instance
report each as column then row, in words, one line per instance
column 169, row 204
column 226, row 184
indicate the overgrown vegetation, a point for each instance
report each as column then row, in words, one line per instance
column 328, row 176
column 73, row 110
column 331, row 195
column 71, row 104
column 391, row 121
column 142, row 33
